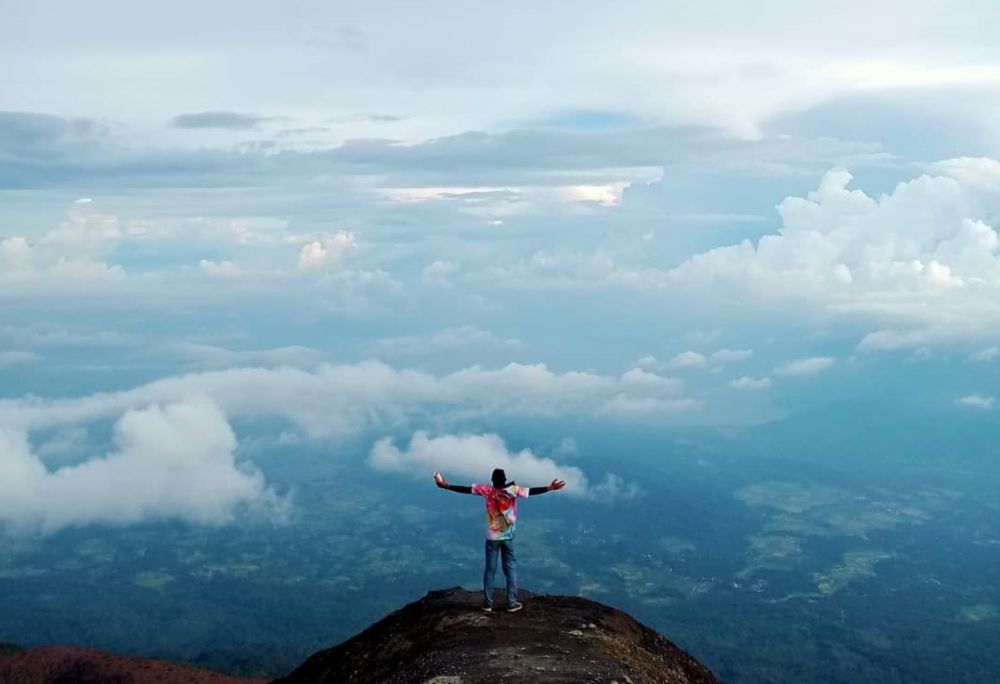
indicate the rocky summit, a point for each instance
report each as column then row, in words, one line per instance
column 445, row 638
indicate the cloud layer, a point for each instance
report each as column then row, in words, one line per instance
column 337, row 400
column 174, row 451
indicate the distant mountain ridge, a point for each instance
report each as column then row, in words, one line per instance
column 444, row 638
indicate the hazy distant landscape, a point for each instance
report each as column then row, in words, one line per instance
column 755, row 551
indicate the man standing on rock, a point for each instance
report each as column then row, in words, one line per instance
column 501, row 515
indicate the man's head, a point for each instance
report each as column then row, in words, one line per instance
column 499, row 479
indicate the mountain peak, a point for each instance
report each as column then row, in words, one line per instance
column 444, row 638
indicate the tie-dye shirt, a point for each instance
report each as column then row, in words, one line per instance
column 501, row 509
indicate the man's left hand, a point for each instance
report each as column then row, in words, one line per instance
column 556, row 485
column 440, row 481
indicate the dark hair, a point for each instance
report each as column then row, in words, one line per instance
column 499, row 479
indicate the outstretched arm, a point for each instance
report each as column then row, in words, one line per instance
column 551, row 487
column 443, row 484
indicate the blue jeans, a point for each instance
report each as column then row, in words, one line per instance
column 505, row 548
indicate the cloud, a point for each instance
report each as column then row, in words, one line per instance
column 921, row 263
column 227, row 120
column 174, row 454
column 29, row 270
column 436, row 274
column 985, row 355
column 800, row 368
column 538, row 196
column 75, row 262
column 648, row 362
column 83, row 233
column 17, row 358
column 169, row 462
column 16, row 257
column 895, row 74
column 724, row 356
column 688, row 359
column 338, row 400
column 981, row 173
column 450, row 339
column 642, row 381
column 49, row 336
column 313, row 254
column 524, row 169
column 614, row 488
column 220, row 269
column 327, row 252
column 40, row 148
column 343, row 37
column 65, row 444
column 536, row 389
column 574, row 271
column 474, row 457
column 748, row 383
column 625, row 406
column 66, row 259
column 366, row 117
column 567, row 448
column 977, row 401
column 784, row 62
column 211, row 356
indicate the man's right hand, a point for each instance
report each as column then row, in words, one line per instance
column 440, row 481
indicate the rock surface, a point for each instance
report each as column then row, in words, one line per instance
column 67, row 665
column 445, row 638
column 7, row 649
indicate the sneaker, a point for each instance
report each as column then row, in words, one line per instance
column 487, row 609
column 514, row 607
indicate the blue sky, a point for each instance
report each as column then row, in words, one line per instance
column 372, row 217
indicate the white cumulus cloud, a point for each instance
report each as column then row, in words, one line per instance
column 642, row 381
column 648, row 362
column 16, row 257
column 473, row 457
column 169, row 462
column 805, row 367
column 688, row 359
column 327, row 252
column 920, row 264
column 219, row 269
column 981, row 173
column 436, row 274
column 977, row 401
column 750, row 383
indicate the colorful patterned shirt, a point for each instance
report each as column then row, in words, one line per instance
column 501, row 509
